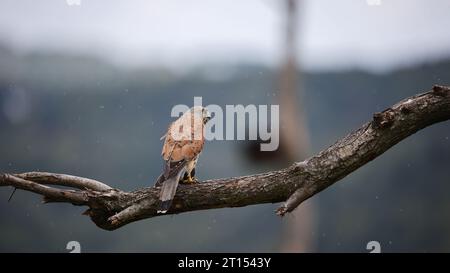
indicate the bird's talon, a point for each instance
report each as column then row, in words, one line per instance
column 195, row 180
column 189, row 180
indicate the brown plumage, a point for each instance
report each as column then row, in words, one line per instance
column 182, row 146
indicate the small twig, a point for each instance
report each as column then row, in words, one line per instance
column 12, row 193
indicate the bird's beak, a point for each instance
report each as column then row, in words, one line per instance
column 207, row 117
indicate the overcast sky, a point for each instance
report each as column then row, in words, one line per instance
column 179, row 33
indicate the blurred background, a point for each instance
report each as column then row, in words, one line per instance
column 87, row 90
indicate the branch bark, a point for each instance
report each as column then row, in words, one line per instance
column 112, row 208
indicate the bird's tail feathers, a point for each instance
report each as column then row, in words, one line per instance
column 164, row 206
column 168, row 190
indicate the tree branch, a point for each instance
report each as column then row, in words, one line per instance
column 112, row 208
column 64, row 180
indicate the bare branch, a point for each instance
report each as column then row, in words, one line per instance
column 111, row 208
column 64, row 180
column 50, row 194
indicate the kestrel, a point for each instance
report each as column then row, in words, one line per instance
column 182, row 146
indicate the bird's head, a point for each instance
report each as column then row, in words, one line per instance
column 202, row 112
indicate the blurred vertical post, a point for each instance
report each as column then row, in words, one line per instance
column 299, row 225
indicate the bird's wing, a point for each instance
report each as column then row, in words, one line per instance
column 186, row 147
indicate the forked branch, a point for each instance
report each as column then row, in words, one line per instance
column 112, row 208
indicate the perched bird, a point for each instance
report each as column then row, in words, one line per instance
column 183, row 144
